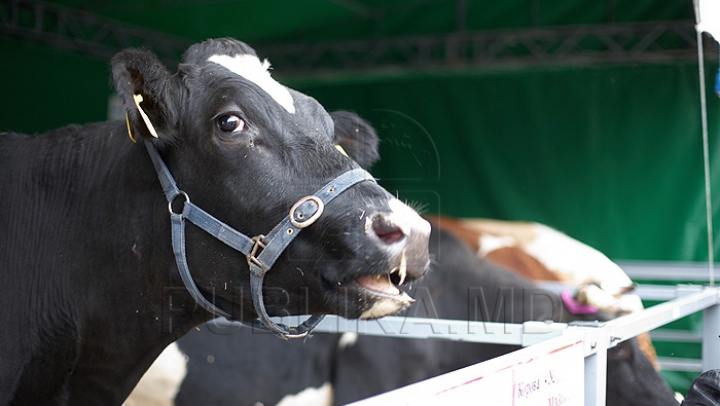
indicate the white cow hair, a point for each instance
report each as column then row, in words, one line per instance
column 572, row 261
column 489, row 243
column 347, row 340
column 577, row 261
column 161, row 383
column 322, row 396
column 250, row 67
column 404, row 217
column 381, row 307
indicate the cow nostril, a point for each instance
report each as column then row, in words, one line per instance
column 386, row 230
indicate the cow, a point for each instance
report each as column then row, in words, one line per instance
column 545, row 254
column 231, row 201
column 335, row 369
column 541, row 253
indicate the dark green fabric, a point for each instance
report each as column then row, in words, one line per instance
column 42, row 88
column 611, row 156
column 258, row 21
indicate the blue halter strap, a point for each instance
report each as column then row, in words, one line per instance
column 261, row 251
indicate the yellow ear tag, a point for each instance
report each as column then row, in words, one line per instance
column 130, row 134
column 139, row 99
column 342, row 150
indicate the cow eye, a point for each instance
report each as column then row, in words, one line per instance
column 230, row 123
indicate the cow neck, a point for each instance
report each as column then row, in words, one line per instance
column 261, row 251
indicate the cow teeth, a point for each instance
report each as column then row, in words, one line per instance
column 378, row 283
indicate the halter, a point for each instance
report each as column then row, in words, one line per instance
column 261, row 251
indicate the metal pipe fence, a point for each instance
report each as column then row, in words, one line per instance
column 583, row 346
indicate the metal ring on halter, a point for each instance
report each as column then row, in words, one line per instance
column 294, row 217
column 170, row 201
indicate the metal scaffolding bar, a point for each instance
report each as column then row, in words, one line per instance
column 83, row 32
column 711, row 338
column 596, row 372
column 524, row 334
column 566, row 45
column 661, row 41
column 666, row 270
column 629, row 326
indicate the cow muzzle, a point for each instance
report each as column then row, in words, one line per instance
column 404, row 237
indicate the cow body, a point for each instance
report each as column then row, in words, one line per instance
column 89, row 286
column 462, row 286
column 78, row 260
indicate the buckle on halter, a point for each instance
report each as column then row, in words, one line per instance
column 306, row 211
column 258, row 245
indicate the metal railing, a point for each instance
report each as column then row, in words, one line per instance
column 539, row 338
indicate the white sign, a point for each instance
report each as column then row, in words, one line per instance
column 554, row 378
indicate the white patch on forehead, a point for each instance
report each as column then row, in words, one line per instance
column 250, row 67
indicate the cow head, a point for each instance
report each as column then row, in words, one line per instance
column 245, row 149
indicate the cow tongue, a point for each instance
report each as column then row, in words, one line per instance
column 378, row 283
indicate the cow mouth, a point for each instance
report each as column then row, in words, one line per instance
column 384, row 296
column 379, row 285
column 386, row 284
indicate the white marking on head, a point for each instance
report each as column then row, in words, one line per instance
column 250, row 67
column 347, row 340
column 161, row 382
column 322, row 396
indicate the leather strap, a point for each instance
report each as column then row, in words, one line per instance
column 261, row 251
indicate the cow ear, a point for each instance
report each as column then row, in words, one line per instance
column 145, row 86
column 357, row 137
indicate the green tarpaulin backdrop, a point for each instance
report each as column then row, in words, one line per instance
column 611, row 155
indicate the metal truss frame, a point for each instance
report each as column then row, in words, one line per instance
column 83, row 32
column 663, row 41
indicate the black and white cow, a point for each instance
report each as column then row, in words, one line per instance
column 207, row 366
column 332, row 369
column 89, row 285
